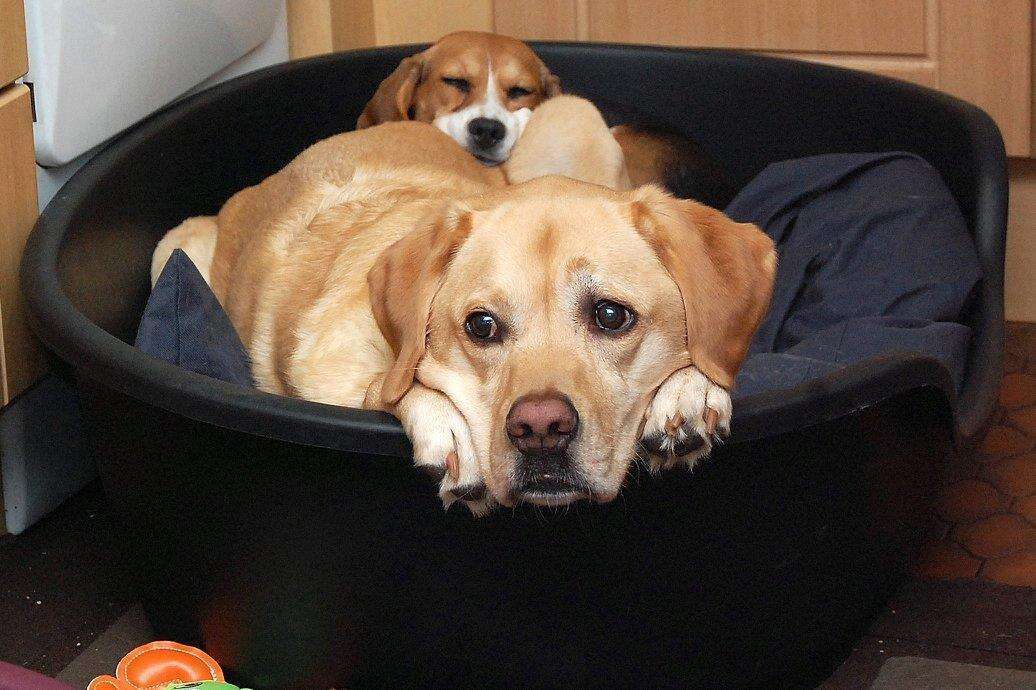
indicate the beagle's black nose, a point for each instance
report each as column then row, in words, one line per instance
column 542, row 423
column 486, row 132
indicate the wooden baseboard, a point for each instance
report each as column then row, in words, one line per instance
column 1020, row 288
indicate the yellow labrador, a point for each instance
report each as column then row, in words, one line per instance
column 528, row 331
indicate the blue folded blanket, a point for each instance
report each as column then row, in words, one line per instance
column 874, row 258
column 184, row 324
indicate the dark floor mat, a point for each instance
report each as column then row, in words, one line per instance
column 963, row 621
column 102, row 657
column 970, row 614
column 62, row 585
column 915, row 673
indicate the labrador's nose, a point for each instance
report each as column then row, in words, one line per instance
column 486, row 132
column 542, row 423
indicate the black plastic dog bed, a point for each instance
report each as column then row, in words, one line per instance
column 294, row 541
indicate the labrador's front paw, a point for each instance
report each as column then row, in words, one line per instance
column 442, row 446
column 688, row 415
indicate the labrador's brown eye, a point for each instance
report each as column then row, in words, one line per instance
column 612, row 317
column 517, row 92
column 481, row 326
column 461, row 85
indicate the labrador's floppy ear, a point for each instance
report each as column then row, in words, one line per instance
column 392, row 100
column 724, row 270
column 402, row 284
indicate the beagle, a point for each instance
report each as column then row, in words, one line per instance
column 481, row 88
column 531, row 332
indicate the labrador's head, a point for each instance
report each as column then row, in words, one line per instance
column 477, row 87
column 550, row 312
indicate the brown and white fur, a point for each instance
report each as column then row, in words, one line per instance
column 467, row 79
column 481, row 89
column 353, row 274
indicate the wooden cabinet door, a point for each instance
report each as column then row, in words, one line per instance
column 978, row 50
column 893, row 27
column 14, row 61
column 20, row 359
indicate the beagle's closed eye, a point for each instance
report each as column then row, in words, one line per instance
column 459, row 83
column 516, row 92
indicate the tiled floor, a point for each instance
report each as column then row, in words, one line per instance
column 988, row 511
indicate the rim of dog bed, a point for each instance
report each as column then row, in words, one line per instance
column 109, row 360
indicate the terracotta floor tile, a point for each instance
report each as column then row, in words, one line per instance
column 1026, row 507
column 1002, row 441
column 968, row 501
column 1020, row 329
column 1013, row 362
column 1021, row 337
column 991, row 500
column 1014, row 476
column 1018, row 569
column 1018, row 390
column 1000, row 535
column 938, row 530
column 947, row 561
column 1025, row 419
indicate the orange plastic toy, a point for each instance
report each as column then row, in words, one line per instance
column 159, row 665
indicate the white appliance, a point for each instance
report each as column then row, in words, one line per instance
column 98, row 66
column 95, row 68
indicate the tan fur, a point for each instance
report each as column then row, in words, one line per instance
column 722, row 314
column 590, row 154
column 350, row 273
column 196, row 237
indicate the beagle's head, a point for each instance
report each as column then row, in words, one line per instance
column 550, row 312
column 479, row 88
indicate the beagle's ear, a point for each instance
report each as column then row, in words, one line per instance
column 402, row 284
column 551, row 83
column 395, row 95
column 724, row 270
